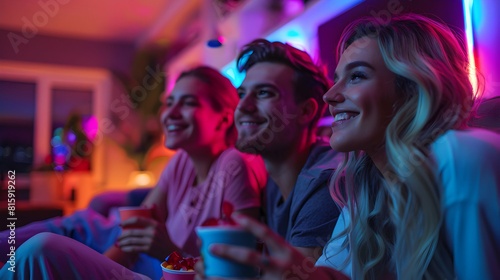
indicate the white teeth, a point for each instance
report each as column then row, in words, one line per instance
column 173, row 127
column 249, row 123
column 343, row 116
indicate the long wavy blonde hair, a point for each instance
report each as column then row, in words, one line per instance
column 396, row 212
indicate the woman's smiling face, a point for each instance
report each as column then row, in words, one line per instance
column 361, row 99
column 189, row 119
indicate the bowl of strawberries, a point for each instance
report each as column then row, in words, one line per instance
column 175, row 267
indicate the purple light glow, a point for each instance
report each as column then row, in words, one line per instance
column 59, row 168
column 71, row 137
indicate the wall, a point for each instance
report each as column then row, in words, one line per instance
column 450, row 11
column 114, row 56
column 485, row 21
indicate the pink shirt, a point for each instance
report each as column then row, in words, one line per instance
column 234, row 177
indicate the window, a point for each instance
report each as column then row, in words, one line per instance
column 17, row 114
column 39, row 96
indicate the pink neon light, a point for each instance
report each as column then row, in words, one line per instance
column 90, row 126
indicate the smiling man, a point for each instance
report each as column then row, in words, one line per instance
column 280, row 105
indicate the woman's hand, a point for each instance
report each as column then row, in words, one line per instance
column 199, row 268
column 286, row 262
column 150, row 237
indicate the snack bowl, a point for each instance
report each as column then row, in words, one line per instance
column 172, row 274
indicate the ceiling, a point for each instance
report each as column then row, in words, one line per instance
column 132, row 21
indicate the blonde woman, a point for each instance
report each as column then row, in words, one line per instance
column 419, row 190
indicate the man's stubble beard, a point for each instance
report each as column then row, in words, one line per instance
column 259, row 145
column 250, row 145
column 263, row 142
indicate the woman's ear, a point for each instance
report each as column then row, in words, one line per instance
column 308, row 110
column 226, row 120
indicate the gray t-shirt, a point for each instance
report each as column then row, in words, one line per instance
column 308, row 216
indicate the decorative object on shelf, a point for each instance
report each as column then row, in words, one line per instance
column 72, row 144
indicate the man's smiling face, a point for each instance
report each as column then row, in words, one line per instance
column 266, row 111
